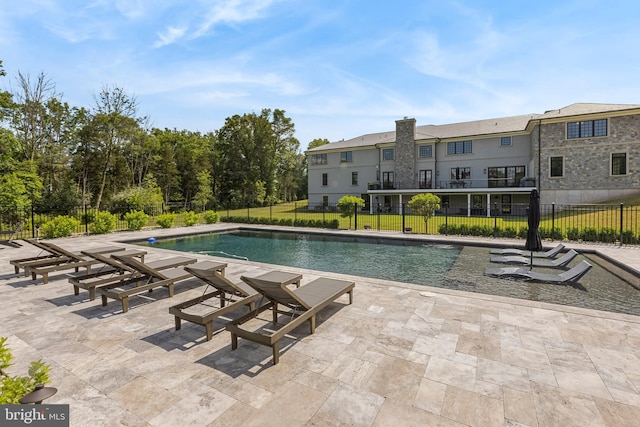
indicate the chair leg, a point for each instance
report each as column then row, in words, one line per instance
column 76, row 290
column 104, row 301
column 234, row 341
column 125, row 304
column 178, row 323
column 276, row 352
column 209, row 328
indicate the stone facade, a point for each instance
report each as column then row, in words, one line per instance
column 405, row 153
column 587, row 164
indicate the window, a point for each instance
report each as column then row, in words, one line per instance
column 325, row 200
column 424, row 179
column 387, row 180
column 460, row 173
column 459, row 147
column 618, row 163
column 587, row 129
column 387, row 154
column 354, row 178
column 505, row 176
column 325, row 179
column 556, row 167
column 346, row 157
column 426, row 151
column 505, row 140
column 318, row 159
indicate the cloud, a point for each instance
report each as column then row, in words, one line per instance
column 170, row 36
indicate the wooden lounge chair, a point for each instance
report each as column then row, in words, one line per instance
column 303, row 304
column 146, row 279
column 537, row 262
column 570, row 276
column 551, row 253
column 231, row 296
column 68, row 260
column 109, row 272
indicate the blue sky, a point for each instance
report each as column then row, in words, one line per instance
column 339, row 68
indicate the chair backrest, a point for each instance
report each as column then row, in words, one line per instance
column 138, row 266
column 574, row 274
column 275, row 292
column 55, row 249
column 106, row 259
column 555, row 251
column 566, row 258
column 218, row 281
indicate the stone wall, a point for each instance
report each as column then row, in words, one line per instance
column 405, row 154
column 587, row 160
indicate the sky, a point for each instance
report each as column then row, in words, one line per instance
column 338, row 68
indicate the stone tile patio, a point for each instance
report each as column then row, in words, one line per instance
column 401, row 355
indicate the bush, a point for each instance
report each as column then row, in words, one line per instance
column 60, row 226
column 509, row 232
column 590, row 234
column 574, row 234
column 12, row 389
column 608, row 235
column 191, row 218
column 136, row 219
column 628, row 237
column 166, row 220
column 210, row 217
column 104, row 222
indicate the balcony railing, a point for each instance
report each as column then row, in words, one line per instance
column 457, row 184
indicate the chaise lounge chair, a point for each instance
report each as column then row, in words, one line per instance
column 551, row 253
column 569, row 276
column 145, row 279
column 537, row 262
column 231, row 296
column 303, row 303
column 59, row 260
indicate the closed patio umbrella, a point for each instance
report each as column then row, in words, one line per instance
column 533, row 243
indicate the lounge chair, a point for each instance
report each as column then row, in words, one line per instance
column 145, row 279
column 59, row 259
column 551, row 253
column 303, row 303
column 537, row 262
column 201, row 310
column 569, row 276
column 109, row 272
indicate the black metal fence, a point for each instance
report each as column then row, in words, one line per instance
column 589, row 223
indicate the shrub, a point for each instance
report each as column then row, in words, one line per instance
column 136, row 219
column 60, row 226
column 191, row 218
column 509, row 232
column 590, row 234
column 166, row 220
column 573, row 234
column 103, row 223
column 12, row 389
column 628, row 237
column 210, row 217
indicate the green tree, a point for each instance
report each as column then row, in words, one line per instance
column 347, row 206
column 425, row 205
column 318, row 142
column 205, row 192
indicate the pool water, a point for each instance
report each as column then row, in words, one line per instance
column 446, row 266
column 420, row 264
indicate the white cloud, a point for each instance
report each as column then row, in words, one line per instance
column 170, row 36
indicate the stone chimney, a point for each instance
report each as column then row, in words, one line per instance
column 405, row 153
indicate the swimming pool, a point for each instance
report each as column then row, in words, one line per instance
column 446, row 266
column 418, row 263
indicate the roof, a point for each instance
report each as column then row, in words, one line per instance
column 478, row 127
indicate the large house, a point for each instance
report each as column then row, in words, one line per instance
column 583, row 153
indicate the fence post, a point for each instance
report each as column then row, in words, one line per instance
column 621, row 219
column 403, row 224
column 355, row 216
column 33, row 224
column 295, row 212
column 553, row 218
column 248, row 213
column 446, row 220
column 270, row 212
column 495, row 219
column 379, row 212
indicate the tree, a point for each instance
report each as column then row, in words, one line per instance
column 318, row 142
column 14, row 388
column 205, row 192
column 116, row 124
column 347, row 206
column 425, row 205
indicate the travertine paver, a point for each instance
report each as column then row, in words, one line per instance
column 400, row 355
